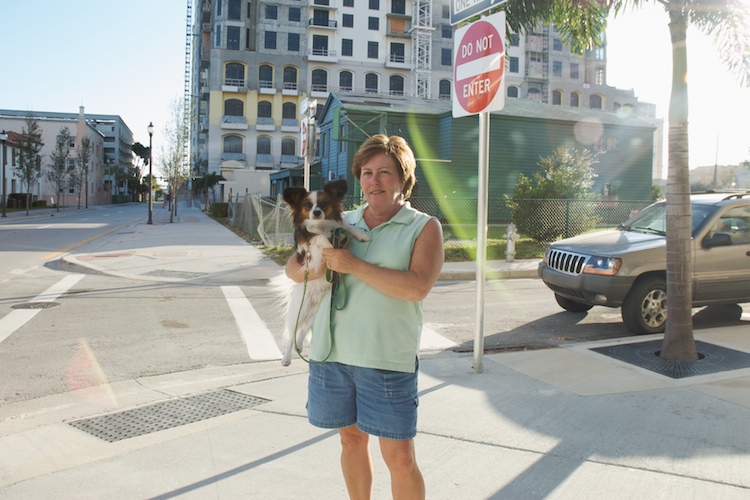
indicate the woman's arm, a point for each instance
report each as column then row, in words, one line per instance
column 413, row 284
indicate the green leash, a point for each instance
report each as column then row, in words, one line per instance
column 339, row 239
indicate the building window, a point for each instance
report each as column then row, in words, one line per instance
column 445, row 90
column 595, row 101
column 534, row 94
column 371, row 83
column 319, row 80
column 264, row 109
column 557, row 44
column 513, row 65
column 514, row 40
column 447, row 31
column 556, row 68
column 512, row 92
column 294, row 14
column 234, row 107
column 289, row 111
column 398, row 7
column 575, row 99
column 234, row 75
column 374, row 4
column 292, row 43
column 396, row 85
column 233, row 144
column 599, row 75
column 446, row 11
column 290, row 78
column 557, row 97
column 263, row 145
column 235, row 9
column 373, row 23
column 218, row 9
column 320, row 45
column 398, row 51
column 347, row 46
column 272, row 12
column 265, row 76
column 347, row 21
column 217, row 36
column 599, row 54
column 574, row 71
column 372, row 50
column 446, row 57
column 288, row 147
column 270, row 40
column 233, row 38
column 345, row 81
column 348, row 3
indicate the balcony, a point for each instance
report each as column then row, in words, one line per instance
column 289, row 125
column 234, row 85
column 398, row 61
column 322, row 55
column 319, row 90
column 264, row 161
column 266, row 87
column 323, row 4
column 265, row 124
column 231, row 122
column 290, row 161
column 323, row 23
column 290, row 88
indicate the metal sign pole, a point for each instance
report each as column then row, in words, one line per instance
column 482, row 196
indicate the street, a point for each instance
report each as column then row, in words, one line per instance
column 96, row 328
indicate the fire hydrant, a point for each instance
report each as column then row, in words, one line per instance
column 510, row 236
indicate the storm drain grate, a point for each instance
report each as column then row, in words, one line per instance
column 165, row 273
column 714, row 358
column 166, row 415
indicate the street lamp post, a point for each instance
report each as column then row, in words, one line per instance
column 150, row 173
column 3, row 138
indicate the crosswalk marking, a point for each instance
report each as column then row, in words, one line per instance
column 431, row 340
column 258, row 338
column 19, row 317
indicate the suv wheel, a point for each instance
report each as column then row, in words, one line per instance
column 644, row 310
column 571, row 305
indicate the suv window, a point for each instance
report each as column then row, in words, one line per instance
column 736, row 222
column 653, row 219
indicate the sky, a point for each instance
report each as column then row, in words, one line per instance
column 128, row 59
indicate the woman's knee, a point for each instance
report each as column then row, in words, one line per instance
column 353, row 438
column 398, row 454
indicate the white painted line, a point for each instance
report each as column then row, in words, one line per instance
column 432, row 340
column 19, row 317
column 258, row 338
column 471, row 69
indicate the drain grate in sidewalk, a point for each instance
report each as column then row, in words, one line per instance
column 166, row 415
column 713, row 358
column 165, row 273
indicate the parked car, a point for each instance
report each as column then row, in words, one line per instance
column 626, row 267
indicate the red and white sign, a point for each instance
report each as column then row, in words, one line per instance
column 479, row 66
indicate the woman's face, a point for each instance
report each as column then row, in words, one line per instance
column 381, row 185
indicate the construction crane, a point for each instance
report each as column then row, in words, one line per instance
column 421, row 43
column 187, row 101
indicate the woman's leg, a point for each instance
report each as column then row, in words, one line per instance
column 356, row 463
column 401, row 459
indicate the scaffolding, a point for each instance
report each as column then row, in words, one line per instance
column 187, row 101
column 421, row 43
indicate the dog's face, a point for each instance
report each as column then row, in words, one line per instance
column 326, row 204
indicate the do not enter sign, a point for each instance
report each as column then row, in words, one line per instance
column 479, row 66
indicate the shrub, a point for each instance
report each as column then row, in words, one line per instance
column 219, row 209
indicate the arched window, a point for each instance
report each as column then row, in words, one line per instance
column 264, row 109
column 346, row 80
column 233, row 144
column 396, row 85
column 575, row 99
column 288, row 146
column 534, row 94
column 290, row 78
column 234, row 107
column 319, row 80
column 512, row 91
column 371, row 83
column 263, row 145
column 289, row 110
column 445, row 90
column 595, row 101
column 557, row 97
column 234, row 74
column 265, row 76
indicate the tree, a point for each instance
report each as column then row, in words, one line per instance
column 79, row 175
column 58, row 172
column 29, row 167
column 172, row 156
column 557, row 201
column 202, row 185
column 580, row 23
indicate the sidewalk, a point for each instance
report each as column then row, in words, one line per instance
column 564, row 423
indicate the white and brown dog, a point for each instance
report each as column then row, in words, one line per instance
column 315, row 216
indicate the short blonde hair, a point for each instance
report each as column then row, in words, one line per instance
column 397, row 148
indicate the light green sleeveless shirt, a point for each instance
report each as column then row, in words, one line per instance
column 374, row 330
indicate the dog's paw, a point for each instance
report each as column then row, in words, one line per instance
column 286, row 361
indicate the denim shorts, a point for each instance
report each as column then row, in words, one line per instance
column 382, row 403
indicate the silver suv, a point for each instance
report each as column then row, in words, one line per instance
column 626, row 267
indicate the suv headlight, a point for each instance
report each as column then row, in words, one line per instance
column 607, row 266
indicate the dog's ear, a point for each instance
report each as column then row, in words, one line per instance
column 293, row 195
column 337, row 189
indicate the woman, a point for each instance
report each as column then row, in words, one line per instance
column 368, row 382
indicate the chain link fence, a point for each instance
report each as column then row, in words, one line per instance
column 265, row 219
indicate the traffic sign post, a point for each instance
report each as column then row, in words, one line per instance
column 478, row 72
column 464, row 9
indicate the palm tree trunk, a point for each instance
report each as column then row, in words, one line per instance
column 678, row 343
